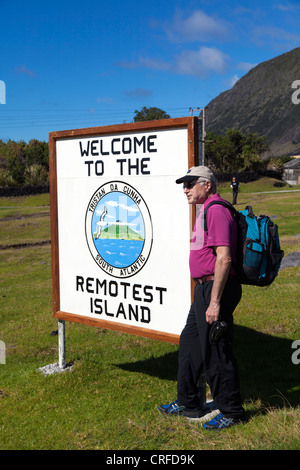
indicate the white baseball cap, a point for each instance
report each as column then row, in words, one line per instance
column 197, row 172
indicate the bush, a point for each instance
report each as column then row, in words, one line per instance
column 5, row 178
column 15, row 191
column 36, row 175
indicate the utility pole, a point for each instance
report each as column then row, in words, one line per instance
column 203, row 133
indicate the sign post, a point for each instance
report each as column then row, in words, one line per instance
column 121, row 229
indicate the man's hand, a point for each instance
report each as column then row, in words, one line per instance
column 213, row 312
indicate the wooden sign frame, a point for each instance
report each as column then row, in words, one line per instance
column 190, row 125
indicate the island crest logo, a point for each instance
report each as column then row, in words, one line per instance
column 118, row 229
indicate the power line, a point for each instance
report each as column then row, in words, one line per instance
column 28, row 117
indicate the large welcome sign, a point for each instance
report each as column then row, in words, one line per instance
column 120, row 226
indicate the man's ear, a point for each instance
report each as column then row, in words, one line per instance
column 208, row 186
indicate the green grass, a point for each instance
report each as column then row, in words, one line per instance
column 24, row 219
column 262, row 185
column 109, row 400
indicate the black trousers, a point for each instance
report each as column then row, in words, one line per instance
column 197, row 355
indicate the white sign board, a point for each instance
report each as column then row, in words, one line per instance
column 121, row 226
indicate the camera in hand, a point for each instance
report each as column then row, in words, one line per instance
column 218, row 330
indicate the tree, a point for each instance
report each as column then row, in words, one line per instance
column 16, row 161
column 150, row 114
column 37, row 153
column 234, row 151
column 22, row 163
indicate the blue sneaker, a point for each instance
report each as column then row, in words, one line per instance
column 220, row 422
column 175, row 408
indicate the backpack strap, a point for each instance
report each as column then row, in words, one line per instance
column 250, row 212
column 221, row 203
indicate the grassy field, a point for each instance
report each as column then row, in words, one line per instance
column 109, row 400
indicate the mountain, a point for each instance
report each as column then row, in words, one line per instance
column 117, row 231
column 261, row 102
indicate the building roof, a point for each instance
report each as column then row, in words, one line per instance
column 293, row 164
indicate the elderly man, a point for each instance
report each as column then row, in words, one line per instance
column 217, row 293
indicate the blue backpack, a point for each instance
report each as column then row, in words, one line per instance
column 258, row 252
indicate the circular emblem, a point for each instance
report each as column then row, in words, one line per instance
column 118, row 229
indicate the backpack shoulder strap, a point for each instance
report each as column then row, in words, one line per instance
column 221, row 203
column 249, row 212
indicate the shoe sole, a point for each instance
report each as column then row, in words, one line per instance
column 206, row 416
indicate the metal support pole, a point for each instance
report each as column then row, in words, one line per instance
column 199, row 142
column 61, row 344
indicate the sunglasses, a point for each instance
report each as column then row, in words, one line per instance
column 190, row 184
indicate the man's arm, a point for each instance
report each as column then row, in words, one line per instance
column 222, row 268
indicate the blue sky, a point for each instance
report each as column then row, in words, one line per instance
column 74, row 64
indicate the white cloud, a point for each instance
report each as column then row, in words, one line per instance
column 25, row 71
column 112, row 203
column 139, row 93
column 123, row 206
column 202, row 62
column 197, row 27
column 276, row 37
column 246, row 66
column 233, row 80
column 286, row 7
column 104, row 99
column 129, row 208
column 154, row 64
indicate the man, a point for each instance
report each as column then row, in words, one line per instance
column 217, row 293
column 235, row 189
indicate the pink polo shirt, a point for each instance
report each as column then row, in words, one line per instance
column 221, row 232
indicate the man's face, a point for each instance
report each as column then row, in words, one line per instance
column 197, row 193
